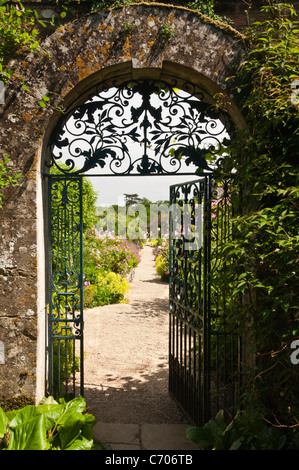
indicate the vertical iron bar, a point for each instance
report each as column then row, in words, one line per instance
column 58, row 369
column 81, row 292
column 49, row 312
column 206, row 300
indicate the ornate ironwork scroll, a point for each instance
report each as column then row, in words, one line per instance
column 66, row 284
column 141, row 127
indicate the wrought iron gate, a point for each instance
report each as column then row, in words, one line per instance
column 65, row 316
column 127, row 128
column 203, row 352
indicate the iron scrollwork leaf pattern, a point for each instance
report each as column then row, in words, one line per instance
column 143, row 127
column 66, row 276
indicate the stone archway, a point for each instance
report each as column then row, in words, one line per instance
column 72, row 60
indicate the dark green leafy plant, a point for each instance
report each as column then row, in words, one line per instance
column 19, row 35
column 204, row 6
column 17, row 30
column 53, row 425
column 247, row 431
column 166, row 34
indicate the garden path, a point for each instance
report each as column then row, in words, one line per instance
column 126, row 364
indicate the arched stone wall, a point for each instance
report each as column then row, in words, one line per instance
column 72, row 60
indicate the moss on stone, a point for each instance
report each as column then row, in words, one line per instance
column 15, row 403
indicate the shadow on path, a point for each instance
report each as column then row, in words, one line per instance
column 145, row 400
column 126, row 360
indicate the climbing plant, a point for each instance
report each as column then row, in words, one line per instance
column 17, row 31
column 19, row 35
column 204, row 6
column 6, row 178
column 262, row 259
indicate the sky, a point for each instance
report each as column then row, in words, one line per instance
column 111, row 189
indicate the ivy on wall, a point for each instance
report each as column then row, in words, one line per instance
column 206, row 7
column 18, row 34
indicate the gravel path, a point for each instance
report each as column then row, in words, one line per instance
column 126, row 361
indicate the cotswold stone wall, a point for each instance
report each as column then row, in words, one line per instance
column 72, row 59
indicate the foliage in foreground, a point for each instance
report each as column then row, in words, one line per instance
column 247, row 431
column 53, row 425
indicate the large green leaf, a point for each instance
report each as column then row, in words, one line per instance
column 87, row 430
column 3, row 423
column 71, row 429
column 76, row 405
column 51, row 425
column 80, row 444
column 72, row 424
column 29, row 435
column 52, row 414
column 206, row 437
column 17, row 417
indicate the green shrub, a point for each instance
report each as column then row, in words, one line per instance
column 111, row 288
column 162, row 267
column 89, row 294
column 155, row 242
column 161, row 254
